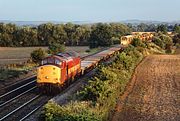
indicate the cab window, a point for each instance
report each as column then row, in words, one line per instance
column 58, row 62
column 51, row 60
column 43, row 62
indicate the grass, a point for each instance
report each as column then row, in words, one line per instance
column 14, row 55
column 18, row 56
column 10, row 73
column 15, row 71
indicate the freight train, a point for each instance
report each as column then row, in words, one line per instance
column 58, row 71
column 144, row 36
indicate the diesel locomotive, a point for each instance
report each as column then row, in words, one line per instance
column 56, row 71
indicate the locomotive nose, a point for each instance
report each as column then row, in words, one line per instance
column 48, row 74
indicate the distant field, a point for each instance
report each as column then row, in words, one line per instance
column 10, row 55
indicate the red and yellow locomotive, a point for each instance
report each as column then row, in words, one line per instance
column 56, row 71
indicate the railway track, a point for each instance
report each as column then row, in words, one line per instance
column 25, row 108
column 15, row 97
column 23, row 99
column 17, row 84
column 20, row 100
column 15, row 92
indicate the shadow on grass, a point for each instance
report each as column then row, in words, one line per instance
column 10, row 73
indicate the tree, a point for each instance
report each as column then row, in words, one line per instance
column 26, row 36
column 7, row 34
column 151, row 28
column 166, row 39
column 55, row 48
column 162, row 40
column 86, row 31
column 158, row 42
column 45, row 33
column 162, row 28
column 142, row 27
column 59, row 35
column 33, row 37
column 38, row 55
column 70, row 30
column 176, row 39
column 101, row 35
column 137, row 42
column 119, row 30
column 176, row 29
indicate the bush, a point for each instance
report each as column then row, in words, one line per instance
column 164, row 41
column 75, row 111
column 159, row 42
column 137, row 43
column 116, row 40
column 126, row 60
column 176, row 39
column 98, row 98
column 98, row 88
column 177, row 45
column 168, row 48
column 38, row 55
column 55, row 48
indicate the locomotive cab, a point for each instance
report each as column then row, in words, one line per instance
column 49, row 71
column 57, row 70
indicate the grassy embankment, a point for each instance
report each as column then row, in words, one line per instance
column 97, row 100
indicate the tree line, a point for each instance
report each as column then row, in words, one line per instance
column 100, row 34
column 142, row 27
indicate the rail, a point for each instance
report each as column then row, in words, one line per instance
column 16, row 89
column 9, row 114
column 12, row 99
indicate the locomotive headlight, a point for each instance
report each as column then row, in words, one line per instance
column 46, row 77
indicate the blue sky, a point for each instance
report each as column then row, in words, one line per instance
column 89, row 10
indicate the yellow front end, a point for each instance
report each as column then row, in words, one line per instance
column 48, row 74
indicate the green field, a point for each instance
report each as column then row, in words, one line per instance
column 13, row 55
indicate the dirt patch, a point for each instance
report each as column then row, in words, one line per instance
column 153, row 93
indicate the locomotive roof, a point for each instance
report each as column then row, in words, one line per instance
column 60, row 58
column 66, row 56
column 69, row 54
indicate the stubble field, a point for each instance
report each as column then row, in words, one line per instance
column 154, row 91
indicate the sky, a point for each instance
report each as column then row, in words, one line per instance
column 89, row 10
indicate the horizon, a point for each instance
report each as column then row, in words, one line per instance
column 88, row 21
